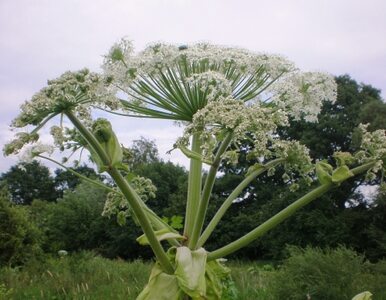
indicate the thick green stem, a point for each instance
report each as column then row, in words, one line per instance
column 207, row 191
column 134, row 201
column 194, row 187
column 155, row 220
column 228, row 202
column 128, row 192
column 89, row 137
column 280, row 217
column 269, row 224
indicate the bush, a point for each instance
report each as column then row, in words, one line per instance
column 19, row 237
column 75, row 223
column 331, row 274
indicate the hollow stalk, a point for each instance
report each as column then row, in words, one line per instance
column 280, row 217
column 207, row 191
column 132, row 197
column 228, row 202
column 194, row 187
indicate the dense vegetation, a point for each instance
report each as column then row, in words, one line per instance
column 41, row 214
column 322, row 275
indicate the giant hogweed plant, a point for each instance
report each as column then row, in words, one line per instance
column 222, row 96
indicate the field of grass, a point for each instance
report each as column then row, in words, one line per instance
column 86, row 276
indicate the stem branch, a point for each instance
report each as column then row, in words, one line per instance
column 207, row 191
column 280, row 217
column 228, row 202
column 194, row 187
column 133, row 198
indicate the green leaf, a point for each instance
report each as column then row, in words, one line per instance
column 323, row 172
column 121, row 218
column 215, row 275
column 129, row 177
column 161, row 235
column 161, row 286
column 177, row 222
column 363, row 296
column 343, row 158
column 190, row 271
column 341, row 174
column 193, row 155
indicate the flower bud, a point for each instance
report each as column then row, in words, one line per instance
column 105, row 135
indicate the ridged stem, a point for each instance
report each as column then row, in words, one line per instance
column 131, row 196
column 280, row 217
column 207, row 191
column 194, row 187
column 228, row 202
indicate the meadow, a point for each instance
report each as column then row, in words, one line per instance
column 306, row 274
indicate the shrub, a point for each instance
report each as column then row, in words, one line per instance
column 326, row 274
column 19, row 237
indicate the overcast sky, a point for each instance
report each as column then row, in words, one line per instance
column 41, row 39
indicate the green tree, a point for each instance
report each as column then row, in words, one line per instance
column 19, row 237
column 342, row 217
column 356, row 103
column 142, row 151
column 65, row 179
column 171, row 183
column 28, row 181
column 73, row 222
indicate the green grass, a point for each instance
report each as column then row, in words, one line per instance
column 84, row 276
column 77, row 278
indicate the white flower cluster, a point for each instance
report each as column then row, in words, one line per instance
column 203, row 72
column 22, row 138
column 76, row 91
column 31, row 152
column 73, row 89
column 237, row 118
column 212, row 84
column 117, row 204
column 373, row 148
column 58, row 135
column 302, row 94
column 243, row 72
column 114, row 64
column 297, row 160
column 254, row 122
